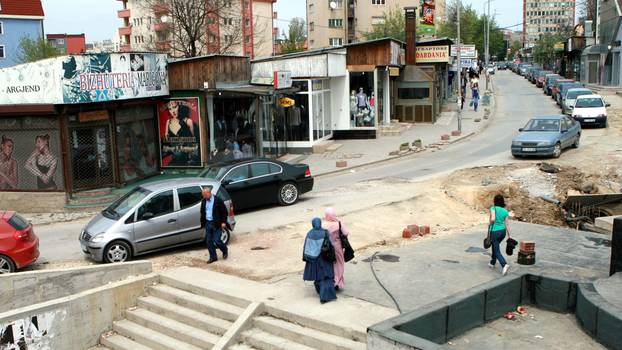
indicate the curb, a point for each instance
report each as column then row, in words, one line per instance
column 388, row 159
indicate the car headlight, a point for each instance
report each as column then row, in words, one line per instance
column 602, row 116
column 98, row 238
column 545, row 143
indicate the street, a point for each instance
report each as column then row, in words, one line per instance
column 373, row 186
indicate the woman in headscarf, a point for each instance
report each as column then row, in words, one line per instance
column 333, row 226
column 317, row 268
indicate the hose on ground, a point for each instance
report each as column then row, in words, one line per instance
column 371, row 265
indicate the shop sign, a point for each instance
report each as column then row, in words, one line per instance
column 558, row 46
column 85, row 78
column 394, row 72
column 180, row 136
column 286, row 102
column 466, row 51
column 92, row 116
column 426, row 18
column 432, row 54
column 282, row 80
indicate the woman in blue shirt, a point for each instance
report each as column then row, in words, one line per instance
column 499, row 227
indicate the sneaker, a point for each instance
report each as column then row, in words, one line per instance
column 491, row 266
column 505, row 270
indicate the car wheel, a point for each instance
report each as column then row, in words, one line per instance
column 577, row 141
column 117, row 251
column 557, row 151
column 225, row 236
column 288, row 193
column 6, row 265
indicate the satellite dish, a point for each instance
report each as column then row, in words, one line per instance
column 333, row 5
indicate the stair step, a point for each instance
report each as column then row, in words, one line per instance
column 119, row 342
column 92, row 193
column 307, row 336
column 172, row 328
column 241, row 346
column 149, row 337
column 188, row 287
column 99, row 347
column 196, row 302
column 185, row 315
column 266, row 341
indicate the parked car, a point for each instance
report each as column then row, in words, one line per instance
column 563, row 88
column 152, row 217
column 531, row 75
column 548, row 83
column 590, row 110
column 546, row 136
column 256, row 182
column 491, row 69
column 502, row 66
column 542, row 77
column 571, row 96
column 555, row 86
column 523, row 69
column 19, row 246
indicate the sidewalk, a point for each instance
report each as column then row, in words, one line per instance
column 358, row 153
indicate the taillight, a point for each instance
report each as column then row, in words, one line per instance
column 231, row 213
column 22, row 235
column 307, row 172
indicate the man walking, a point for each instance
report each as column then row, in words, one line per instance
column 214, row 219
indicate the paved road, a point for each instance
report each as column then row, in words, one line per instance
column 517, row 101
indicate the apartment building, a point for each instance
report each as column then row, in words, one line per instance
column 542, row 17
column 68, row 44
column 339, row 22
column 242, row 27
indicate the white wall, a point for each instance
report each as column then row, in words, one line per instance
column 340, row 102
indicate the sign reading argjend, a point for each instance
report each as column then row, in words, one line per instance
column 432, row 54
column 85, row 78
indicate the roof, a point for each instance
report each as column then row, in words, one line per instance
column 203, row 58
column 62, row 36
column 31, row 8
column 374, row 41
column 261, row 90
column 299, row 54
column 182, row 181
column 437, row 41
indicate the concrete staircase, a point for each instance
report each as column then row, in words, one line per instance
column 179, row 315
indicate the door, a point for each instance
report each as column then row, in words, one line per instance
column 189, row 214
column 91, row 157
column 263, row 186
column 156, row 223
column 592, row 72
column 235, row 182
column 567, row 133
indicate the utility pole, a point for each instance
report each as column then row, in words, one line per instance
column 459, row 49
column 488, row 34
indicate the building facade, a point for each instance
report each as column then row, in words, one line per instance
column 340, row 22
column 68, row 44
column 18, row 19
column 541, row 17
column 242, row 27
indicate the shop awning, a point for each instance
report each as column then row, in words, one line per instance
column 259, row 90
column 595, row 49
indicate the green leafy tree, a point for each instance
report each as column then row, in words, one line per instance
column 31, row 50
column 516, row 46
column 295, row 36
column 394, row 26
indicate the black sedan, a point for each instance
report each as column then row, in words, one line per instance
column 256, row 182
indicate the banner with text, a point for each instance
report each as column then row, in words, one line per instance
column 466, row 51
column 432, row 54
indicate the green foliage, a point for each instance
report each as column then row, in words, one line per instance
column 544, row 52
column 394, row 26
column 31, row 50
column 295, row 37
column 516, row 46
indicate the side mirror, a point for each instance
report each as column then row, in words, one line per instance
column 226, row 182
column 147, row 216
column 607, row 104
column 521, row 129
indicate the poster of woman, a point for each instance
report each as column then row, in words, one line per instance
column 180, row 138
column 42, row 163
column 8, row 164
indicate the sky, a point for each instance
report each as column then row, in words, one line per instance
column 98, row 18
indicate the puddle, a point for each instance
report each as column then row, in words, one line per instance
column 385, row 258
column 600, row 242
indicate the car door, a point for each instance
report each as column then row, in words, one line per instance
column 235, row 182
column 264, row 183
column 567, row 135
column 156, row 222
column 189, row 214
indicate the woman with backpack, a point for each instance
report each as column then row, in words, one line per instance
column 499, row 227
column 319, row 256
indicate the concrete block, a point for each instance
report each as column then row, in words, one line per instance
column 429, row 323
column 502, row 295
column 341, row 164
column 465, row 313
column 527, row 246
column 445, row 137
column 456, row 133
column 407, row 233
column 424, row 230
column 586, row 311
column 414, row 229
column 553, row 294
column 609, row 327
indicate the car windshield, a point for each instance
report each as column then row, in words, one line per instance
column 589, row 102
column 542, row 125
column 124, row 204
column 213, row 172
column 574, row 94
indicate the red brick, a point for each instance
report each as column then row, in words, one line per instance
column 424, row 230
column 414, row 229
column 407, row 233
column 341, row 164
column 456, row 133
column 445, row 137
column 527, row 246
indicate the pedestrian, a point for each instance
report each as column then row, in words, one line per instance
column 317, row 266
column 334, row 227
column 214, row 220
column 475, row 99
column 499, row 227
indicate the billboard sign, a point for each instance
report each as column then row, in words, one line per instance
column 432, row 54
column 180, row 132
column 85, row 78
column 426, row 18
column 466, row 51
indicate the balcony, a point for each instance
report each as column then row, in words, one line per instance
column 125, row 31
column 163, row 45
column 125, row 47
column 161, row 26
column 124, row 13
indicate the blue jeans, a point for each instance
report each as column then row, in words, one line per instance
column 212, row 239
column 496, row 238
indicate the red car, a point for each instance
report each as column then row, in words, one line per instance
column 19, row 246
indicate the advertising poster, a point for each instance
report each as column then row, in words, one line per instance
column 426, row 19
column 136, row 143
column 432, row 54
column 180, row 139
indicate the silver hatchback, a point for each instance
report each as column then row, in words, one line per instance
column 151, row 217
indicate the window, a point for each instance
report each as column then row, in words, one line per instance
column 210, row 20
column 227, row 21
column 18, row 222
column 158, row 205
column 189, row 196
column 275, row 169
column 1, row 28
column 2, row 51
column 311, row 26
column 228, row 3
column 413, row 93
column 376, row 20
column 260, row 169
column 211, row 38
column 335, row 41
column 335, row 23
column 377, row 2
column 247, row 39
column 229, row 39
column 247, row 22
column 237, row 174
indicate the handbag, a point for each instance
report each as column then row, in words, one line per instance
column 488, row 239
column 328, row 251
column 510, row 245
column 348, row 252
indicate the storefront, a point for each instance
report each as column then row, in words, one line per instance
column 80, row 122
column 320, row 102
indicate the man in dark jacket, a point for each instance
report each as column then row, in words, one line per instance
column 214, row 219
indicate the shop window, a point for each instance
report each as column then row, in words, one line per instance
column 362, row 99
column 235, row 120
column 137, row 143
column 413, row 93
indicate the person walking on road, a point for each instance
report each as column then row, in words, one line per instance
column 214, row 220
column 475, row 92
column 499, row 227
column 317, row 267
column 335, row 227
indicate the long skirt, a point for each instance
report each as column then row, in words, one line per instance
column 326, row 289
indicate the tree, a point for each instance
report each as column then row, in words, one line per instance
column 31, row 50
column 516, row 46
column 586, row 9
column 295, row 36
column 394, row 26
column 544, row 51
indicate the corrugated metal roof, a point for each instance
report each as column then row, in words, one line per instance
column 21, row 8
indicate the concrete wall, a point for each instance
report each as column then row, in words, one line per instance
column 28, row 288
column 33, row 202
column 76, row 321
